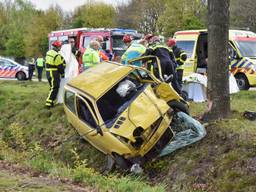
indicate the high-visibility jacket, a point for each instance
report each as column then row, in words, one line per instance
column 90, row 58
column 40, row 62
column 54, row 62
column 180, row 57
column 134, row 51
column 31, row 61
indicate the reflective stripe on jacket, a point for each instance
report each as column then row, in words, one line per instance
column 54, row 62
column 180, row 57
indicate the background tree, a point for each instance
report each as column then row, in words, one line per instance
column 95, row 14
column 243, row 14
column 218, row 71
column 142, row 15
column 182, row 15
column 18, row 15
column 36, row 42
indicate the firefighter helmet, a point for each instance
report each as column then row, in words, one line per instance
column 57, row 44
column 171, row 42
column 127, row 38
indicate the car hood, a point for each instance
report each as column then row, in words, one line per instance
column 142, row 112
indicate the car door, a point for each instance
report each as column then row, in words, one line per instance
column 88, row 126
column 7, row 69
column 2, row 68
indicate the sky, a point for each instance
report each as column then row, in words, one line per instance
column 69, row 5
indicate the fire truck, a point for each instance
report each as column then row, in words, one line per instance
column 113, row 38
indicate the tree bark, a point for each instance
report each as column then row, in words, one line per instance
column 218, row 70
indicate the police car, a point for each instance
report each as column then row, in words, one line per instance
column 12, row 69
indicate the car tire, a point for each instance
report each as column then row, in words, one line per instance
column 21, row 76
column 121, row 162
column 179, row 106
column 242, row 82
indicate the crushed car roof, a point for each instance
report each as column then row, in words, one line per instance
column 97, row 80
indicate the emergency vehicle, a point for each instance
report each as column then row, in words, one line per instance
column 11, row 69
column 113, row 38
column 241, row 48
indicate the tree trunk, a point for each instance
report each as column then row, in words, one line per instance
column 218, row 70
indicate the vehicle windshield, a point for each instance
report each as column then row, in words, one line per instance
column 247, row 48
column 87, row 39
column 118, row 45
column 187, row 46
column 120, row 96
column 118, row 42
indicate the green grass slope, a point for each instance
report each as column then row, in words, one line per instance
column 42, row 139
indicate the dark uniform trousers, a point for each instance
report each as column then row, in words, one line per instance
column 54, row 81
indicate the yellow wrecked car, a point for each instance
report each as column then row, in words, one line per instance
column 123, row 111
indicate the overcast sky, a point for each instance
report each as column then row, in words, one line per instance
column 68, row 5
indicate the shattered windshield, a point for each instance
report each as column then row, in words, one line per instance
column 120, row 96
column 247, row 48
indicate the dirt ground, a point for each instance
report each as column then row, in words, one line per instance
column 16, row 178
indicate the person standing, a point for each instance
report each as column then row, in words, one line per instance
column 31, row 68
column 55, row 68
column 135, row 50
column 102, row 52
column 40, row 67
column 74, row 49
column 180, row 57
column 167, row 60
column 91, row 55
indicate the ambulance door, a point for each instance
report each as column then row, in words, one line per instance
column 188, row 42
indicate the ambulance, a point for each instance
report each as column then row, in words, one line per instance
column 241, row 49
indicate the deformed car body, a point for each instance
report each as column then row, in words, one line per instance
column 123, row 111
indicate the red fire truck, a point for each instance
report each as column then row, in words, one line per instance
column 112, row 38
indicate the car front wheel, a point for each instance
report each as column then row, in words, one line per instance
column 21, row 76
column 242, row 82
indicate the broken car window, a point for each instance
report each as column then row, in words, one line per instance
column 70, row 100
column 119, row 97
column 84, row 113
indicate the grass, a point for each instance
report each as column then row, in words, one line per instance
column 225, row 160
column 43, row 140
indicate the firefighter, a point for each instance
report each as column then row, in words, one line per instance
column 40, row 67
column 127, row 39
column 55, row 68
column 135, row 50
column 166, row 57
column 31, row 68
column 180, row 57
column 91, row 55
column 74, row 49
